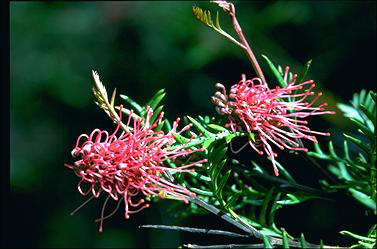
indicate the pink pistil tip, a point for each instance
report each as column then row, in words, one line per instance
column 274, row 123
column 130, row 164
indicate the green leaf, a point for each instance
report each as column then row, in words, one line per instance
column 180, row 139
column 216, row 171
column 156, row 113
column 285, row 239
column 133, row 103
column 218, row 21
column 201, row 192
column 128, row 112
column 160, row 125
column 218, row 154
column 167, row 125
column 332, row 151
column 318, row 153
column 275, row 206
column 200, row 127
column 363, row 198
column 113, row 98
column 278, row 76
column 302, row 241
column 266, row 242
column 358, row 142
column 262, row 215
column 373, row 95
column 229, row 137
column 346, row 153
column 284, row 172
column 252, row 136
column 222, row 182
column 355, row 236
column 208, row 142
column 155, row 100
column 370, row 115
column 232, row 200
column 363, row 127
column 217, row 127
column 199, row 176
column 301, row 75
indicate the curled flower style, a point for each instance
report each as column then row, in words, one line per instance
column 130, row 165
column 271, row 116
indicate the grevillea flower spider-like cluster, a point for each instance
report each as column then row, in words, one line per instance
column 130, row 165
column 271, row 116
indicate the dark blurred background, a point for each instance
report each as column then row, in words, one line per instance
column 139, row 48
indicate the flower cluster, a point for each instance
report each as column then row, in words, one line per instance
column 131, row 165
column 271, row 116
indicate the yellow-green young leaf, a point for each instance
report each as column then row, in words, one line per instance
column 113, row 98
column 217, row 127
column 252, row 136
column 203, row 16
column 229, row 137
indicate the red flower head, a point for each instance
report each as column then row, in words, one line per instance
column 268, row 115
column 130, row 165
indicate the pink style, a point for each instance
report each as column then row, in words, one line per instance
column 130, row 165
column 269, row 115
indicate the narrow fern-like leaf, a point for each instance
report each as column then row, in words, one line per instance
column 303, row 72
column 222, row 182
column 262, row 215
column 285, row 239
column 275, row 72
column 133, row 103
column 156, row 113
column 303, row 241
column 358, row 142
column 200, row 127
column 266, row 242
column 274, row 208
column 156, row 99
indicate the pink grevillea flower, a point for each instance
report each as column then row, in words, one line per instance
column 268, row 115
column 130, row 166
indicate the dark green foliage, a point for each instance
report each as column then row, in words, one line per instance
column 356, row 174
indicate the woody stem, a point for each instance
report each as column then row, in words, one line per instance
column 247, row 48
